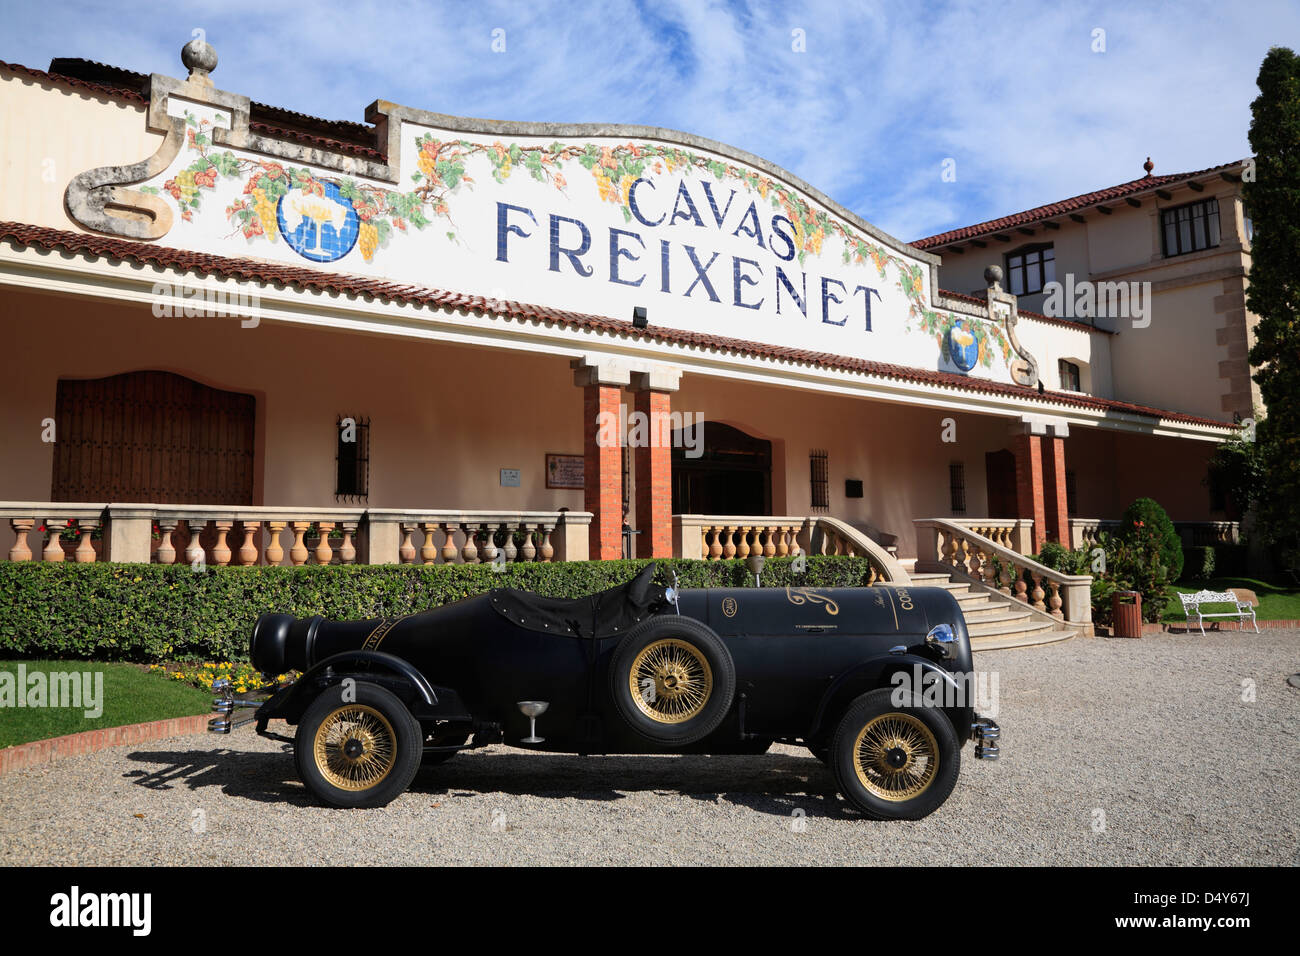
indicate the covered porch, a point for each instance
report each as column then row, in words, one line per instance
column 478, row 435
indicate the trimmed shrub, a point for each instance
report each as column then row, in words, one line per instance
column 1146, row 525
column 1201, row 563
column 150, row 612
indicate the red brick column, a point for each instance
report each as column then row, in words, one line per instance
column 654, row 487
column 1028, row 449
column 1056, row 503
column 603, row 471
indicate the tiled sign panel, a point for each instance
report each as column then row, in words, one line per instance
column 705, row 243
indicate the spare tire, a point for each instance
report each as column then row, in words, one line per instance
column 672, row 680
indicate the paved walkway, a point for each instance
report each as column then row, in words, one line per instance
column 1126, row 752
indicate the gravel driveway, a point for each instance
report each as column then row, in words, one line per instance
column 1114, row 752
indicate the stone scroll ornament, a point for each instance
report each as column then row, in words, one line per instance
column 99, row 198
column 1024, row 369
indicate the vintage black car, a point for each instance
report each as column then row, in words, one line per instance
column 874, row 681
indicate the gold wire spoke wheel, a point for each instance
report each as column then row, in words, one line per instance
column 355, row 747
column 896, row 756
column 670, row 681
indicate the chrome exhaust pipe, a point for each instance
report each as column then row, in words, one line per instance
column 985, row 732
column 226, row 704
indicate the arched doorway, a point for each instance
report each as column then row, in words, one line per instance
column 152, row 436
column 731, row 476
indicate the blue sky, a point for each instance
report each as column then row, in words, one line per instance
column 881, row 96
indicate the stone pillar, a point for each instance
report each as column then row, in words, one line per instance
column 571, row 538
column 1028, row 449
column 1056, row 501
column 382, row 538
column 129, row 534
column 653, row 462
column 602, row 381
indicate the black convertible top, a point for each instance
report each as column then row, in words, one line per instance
column 606, row 614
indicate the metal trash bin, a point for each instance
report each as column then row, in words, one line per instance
column 1127, row 615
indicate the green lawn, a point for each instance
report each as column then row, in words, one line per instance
column 131, row 695
column 1276, row 602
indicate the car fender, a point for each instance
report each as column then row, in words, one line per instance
column 877, row 673
column 358, row 664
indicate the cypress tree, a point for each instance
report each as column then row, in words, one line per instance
column 1272, row 198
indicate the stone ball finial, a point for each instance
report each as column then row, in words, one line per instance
column 1148, row 165
column 198, row 56
column 993, row 275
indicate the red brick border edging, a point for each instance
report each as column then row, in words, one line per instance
column 43, row 751
column 1183, row 628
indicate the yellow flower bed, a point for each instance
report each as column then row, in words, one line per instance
column 242, row 677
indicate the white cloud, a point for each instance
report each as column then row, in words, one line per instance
column 885, row 92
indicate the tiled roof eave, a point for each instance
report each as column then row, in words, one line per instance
column 106, row 90
column 93, row 245
column 1025, row 314
column 126, row 95
column 1064, row 207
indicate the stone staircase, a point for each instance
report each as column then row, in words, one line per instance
column 995, row 621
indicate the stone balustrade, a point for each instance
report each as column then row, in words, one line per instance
column 945, row 546
column 479, row 537
column 1204, row 533
column 201, row 535
column 1014, row 533
column 721, row 537
column 1084, row 531
column 56, row 531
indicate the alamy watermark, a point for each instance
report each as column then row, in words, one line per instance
column 977, row 689
column 1098, row 300
column 190, row 300
column 654, row 430
column 77, row 690
column 129, row 910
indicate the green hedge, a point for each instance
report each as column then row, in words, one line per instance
column 1198, row 564
column 139, row 612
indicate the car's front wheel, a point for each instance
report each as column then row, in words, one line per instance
column 357, row 746
column 892, row 760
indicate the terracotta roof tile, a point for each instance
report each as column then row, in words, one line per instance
column 1069, row 323
column 323, row 142
column 1052, row 210
column 358, row 141
column 276, row 116
column 22, row 234
column 103, row 89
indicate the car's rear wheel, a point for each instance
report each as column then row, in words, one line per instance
column 894, row 761
column 358, row 747
column 672, row 680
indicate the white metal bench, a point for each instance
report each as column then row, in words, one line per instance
column 1192, row 605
